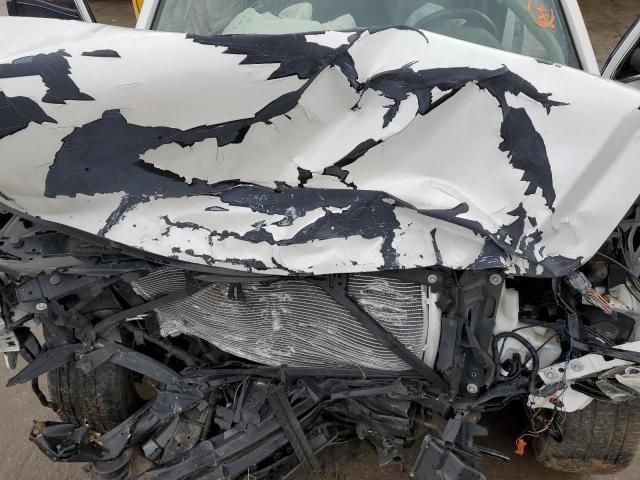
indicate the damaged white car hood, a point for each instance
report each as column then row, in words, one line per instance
column 321, row 153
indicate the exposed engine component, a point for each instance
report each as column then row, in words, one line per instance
column 260, row 374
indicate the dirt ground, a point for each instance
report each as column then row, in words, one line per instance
column 607, row 20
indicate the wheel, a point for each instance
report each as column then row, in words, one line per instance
column 103, row 398
column 603, row 438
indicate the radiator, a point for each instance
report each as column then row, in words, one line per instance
column 294, row 322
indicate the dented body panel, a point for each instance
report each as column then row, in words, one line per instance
column 337, row 152
column 299, row 240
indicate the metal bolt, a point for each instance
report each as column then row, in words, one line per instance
column 577, row 367
column 550, row 374
column 472, row 388
column 55, row 279
column 474, row 417
column 41, row 307
column 495, row 279
column 432, row 279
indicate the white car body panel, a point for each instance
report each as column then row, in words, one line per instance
column 565, row 374
column 508, row 164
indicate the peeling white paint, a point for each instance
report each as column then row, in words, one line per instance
column 444, row 173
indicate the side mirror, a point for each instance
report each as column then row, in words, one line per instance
column 63, row 9
column 624, row 63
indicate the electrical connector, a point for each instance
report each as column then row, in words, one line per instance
column 579, row 282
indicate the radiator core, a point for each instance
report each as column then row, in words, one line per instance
column 294, row 322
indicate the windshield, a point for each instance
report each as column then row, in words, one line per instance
column 535, row 28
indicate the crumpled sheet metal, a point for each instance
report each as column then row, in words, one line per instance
column 320, row 153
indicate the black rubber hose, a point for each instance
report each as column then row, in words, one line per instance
column 35, row 386
column 534, row 356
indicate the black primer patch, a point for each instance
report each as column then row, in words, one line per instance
column 128, row 201
column 436, row 249
column 340, row 174
column 103, row 157
column 293, row 52
column 357, row 152
column 5, row 197
column 248, row 264
column 304, row 176
column 106, row 53
column 16, row 113
column 186, row 225
column 55, row 72
column 283, row 268
column 452, row 216
column 366, row 214
column 525, row 146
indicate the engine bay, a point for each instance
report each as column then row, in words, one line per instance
column 259, row 374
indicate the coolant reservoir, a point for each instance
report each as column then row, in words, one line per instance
column 507, row 320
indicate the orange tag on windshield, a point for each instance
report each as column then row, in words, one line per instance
column 543, row 16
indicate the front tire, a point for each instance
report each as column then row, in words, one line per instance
column 601, row 439
column 102, row 399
